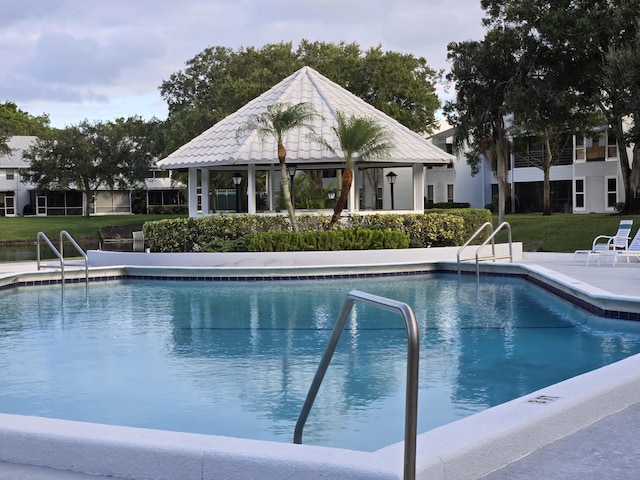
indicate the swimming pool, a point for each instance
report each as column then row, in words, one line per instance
column 237, row 358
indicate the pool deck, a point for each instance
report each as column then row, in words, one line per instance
column 606, row 449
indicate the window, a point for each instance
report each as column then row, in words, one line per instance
column 612, row 147
column 10, row 174
column 379, row 194
column 580, row 149
column 450, row 192
column 158, row 174
column 430, row 199
column 579, row 194
column 611, row 184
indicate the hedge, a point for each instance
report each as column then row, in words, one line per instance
column 444, row 228
column 331, row 240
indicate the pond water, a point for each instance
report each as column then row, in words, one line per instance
column 28, row 251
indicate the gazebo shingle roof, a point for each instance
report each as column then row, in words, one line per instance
column 218, row 146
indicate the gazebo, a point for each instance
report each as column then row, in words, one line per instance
column 218, row 148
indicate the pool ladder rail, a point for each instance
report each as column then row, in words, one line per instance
column 60, row 254
column 477, row 256
column 413, row 358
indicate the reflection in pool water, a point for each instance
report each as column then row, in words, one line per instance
column 237, row 358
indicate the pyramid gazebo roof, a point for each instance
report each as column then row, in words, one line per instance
column 219, row 146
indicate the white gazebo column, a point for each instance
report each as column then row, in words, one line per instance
column 205, row 189
column 418, row 187
column 193, row 192
column 251, row 189
column 353, row 198
column 274, row 186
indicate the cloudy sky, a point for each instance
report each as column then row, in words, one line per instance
column 103, row 59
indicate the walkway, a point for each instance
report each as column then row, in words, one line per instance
column 607, row 449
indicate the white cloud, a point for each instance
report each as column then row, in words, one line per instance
column 103, row 57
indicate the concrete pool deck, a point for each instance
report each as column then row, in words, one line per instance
column 607, row 448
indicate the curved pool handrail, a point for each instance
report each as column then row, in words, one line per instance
column 64, row 234
column 41, row 235
column 468, row 242
column 413, row 358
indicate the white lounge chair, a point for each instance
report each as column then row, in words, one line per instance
column 609, row 243
column 632, row 251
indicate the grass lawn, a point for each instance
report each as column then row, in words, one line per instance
column 15, row 229
column 554, row 233
column 562, row 232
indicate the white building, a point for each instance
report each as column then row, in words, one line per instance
column 586, row 178
column 160, row 194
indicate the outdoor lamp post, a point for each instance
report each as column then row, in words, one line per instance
column 391, row 178
column 332, row 196
column 237, row 180
column 291, row 169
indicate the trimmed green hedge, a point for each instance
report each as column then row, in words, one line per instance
column 445, row 228
column 331, row 240
column 473, row 219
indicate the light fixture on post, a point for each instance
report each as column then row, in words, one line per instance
column 332, row 196
column 237, row 180
column 391, row 178
column 291, row 170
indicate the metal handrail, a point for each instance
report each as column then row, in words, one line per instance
column 475, row 234
column 64, row 234
column 42, row 236
column 491, row 238
column 413, row 357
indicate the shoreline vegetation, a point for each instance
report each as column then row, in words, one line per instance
column 554, row 233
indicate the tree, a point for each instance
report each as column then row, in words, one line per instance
column 482, row 72
column 619, row 102
column 600, row 38
column 92, row 155
column 278, row 120
column 14, row 121
column 360, row 137
column 218, row 81
column 546, row 97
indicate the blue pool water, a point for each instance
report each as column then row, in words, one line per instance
column 237, row 358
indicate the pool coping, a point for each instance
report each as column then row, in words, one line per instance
column 465, row 449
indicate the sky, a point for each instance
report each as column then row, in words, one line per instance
column 104, row 59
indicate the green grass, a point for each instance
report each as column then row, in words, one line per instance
column 562, row 232
column 554, row 233
column 17, row 229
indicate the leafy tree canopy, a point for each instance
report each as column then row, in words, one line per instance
column 14, row 121
column 219, row 80
column 577, row 54
column 90, row 155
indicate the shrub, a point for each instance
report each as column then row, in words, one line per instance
column 223, row 232
column 423, row 230
column 331, row 240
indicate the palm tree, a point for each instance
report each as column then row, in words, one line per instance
column 278, row 120
column 358, row 136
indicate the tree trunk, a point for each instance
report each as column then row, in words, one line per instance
column 347, row 179
column 286, row 194
column 632, row 198
column 546, row 197
column 286, row 186
column 88, row 195
column 501, row 168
